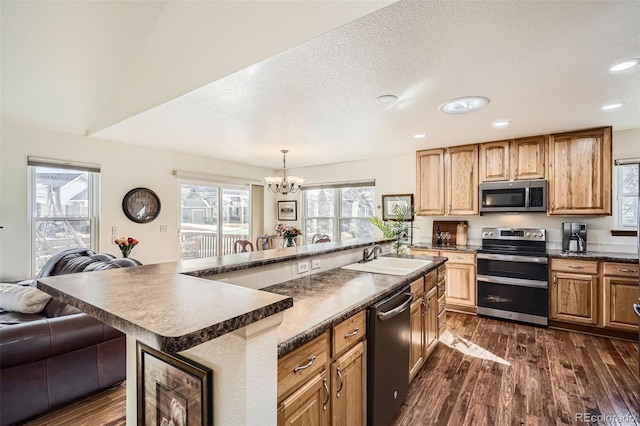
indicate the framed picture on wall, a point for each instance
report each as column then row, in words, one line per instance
column 172, row 390
column 391, row 202
column 288, row 210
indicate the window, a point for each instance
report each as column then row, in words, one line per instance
column 64, row 209
column 202, row 234
column 627, row 196
column 341, row 212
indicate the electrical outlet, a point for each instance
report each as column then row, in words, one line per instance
column 114, row 230
column 386, row 249
column 163, row 228
column 315, row 263
column 303, row 267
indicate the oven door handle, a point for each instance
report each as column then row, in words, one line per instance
column 512, row 258
column 514, row 281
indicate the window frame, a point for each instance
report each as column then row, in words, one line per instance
column 617, row 205
column 337, row 208
column 93, row 208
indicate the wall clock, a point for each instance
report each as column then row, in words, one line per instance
column 141, row 205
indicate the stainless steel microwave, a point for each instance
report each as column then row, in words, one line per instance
column 513, row 196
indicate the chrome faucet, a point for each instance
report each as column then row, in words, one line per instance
column 371, row 251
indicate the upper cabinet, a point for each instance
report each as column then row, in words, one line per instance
column 518, row 159
column 447, row 181
column 579, row 173
column 430, row 182
column 461, row 169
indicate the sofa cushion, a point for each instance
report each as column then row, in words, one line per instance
column 17, row 298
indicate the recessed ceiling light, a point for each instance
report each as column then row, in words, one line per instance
column 624, row 65
column 613, row 105
column 387, row 99
column 463, row 105
column 498, row 124
column 420, row 136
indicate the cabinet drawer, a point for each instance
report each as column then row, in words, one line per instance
column 442, row 303
column 417, row 288
column 348, row 333
column 301, row 364
column 575, row 266
column 442, row 283
column 457, row 257
column 620, row 269
column 430, row 280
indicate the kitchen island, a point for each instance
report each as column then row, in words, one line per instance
column 230, row 329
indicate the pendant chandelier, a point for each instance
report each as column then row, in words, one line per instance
column 284, row 184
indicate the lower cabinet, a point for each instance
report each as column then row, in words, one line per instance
column 324, row 381
column 308, row 405
column 349, row 387
column 574, row 298
column 425, row 311
column 620, row 282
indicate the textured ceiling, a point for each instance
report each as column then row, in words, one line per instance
column 543, row 65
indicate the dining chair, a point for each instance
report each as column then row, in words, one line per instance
column 320, row 238
column 242, row 246
column 264, row 242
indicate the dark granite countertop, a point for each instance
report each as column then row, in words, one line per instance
column 596, row 255
column 323, row 300
column 148, row 299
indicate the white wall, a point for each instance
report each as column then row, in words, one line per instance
column 396, row 175
column 123, row 168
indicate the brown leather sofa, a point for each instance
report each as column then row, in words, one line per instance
column 60, row 355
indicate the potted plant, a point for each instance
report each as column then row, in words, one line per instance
column 398, row 228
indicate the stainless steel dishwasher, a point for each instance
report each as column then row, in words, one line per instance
column 388, row 356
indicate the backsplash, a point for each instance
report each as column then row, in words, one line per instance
column 599, row 229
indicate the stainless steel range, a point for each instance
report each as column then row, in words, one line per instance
column 513, row 271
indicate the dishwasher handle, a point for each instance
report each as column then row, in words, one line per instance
column 383, row 316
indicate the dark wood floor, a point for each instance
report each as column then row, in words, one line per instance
column 484, row 372
column 501, row 373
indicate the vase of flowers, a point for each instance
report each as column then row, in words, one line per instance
column 126, row 245
column 288, row 233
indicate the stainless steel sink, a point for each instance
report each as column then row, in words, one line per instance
column 389, row 266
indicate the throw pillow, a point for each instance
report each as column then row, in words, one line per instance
column 17, row 298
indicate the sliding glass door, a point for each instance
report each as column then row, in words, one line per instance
column 212, row 218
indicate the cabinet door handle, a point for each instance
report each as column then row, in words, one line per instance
column 506, row 174
column 516, row 174
column 555, row 276
column 576, row 266
column 326, row 389
column 340, row 381
column 353, row 333
column 552, row 205
column 307, row 365
column 425, row 307
column 449, row 208
column 441, row 208
column 628, row 270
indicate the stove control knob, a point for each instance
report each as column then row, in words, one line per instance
column 529, row 234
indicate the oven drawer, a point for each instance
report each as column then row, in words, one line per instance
column 575, row 266
column 523, row 299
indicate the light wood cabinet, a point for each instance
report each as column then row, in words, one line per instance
column 430, row 320
column 447, row 181
column 307, row 395
column 349, row 387
column 461, row 279
column 574, row 291
column 579, row 173
column 430, row 182
column 517, row 159
column 620, row 282
column 308, row 405
column 461, row 169
column 417, row 336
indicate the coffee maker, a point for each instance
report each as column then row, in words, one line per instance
column 574, row 237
